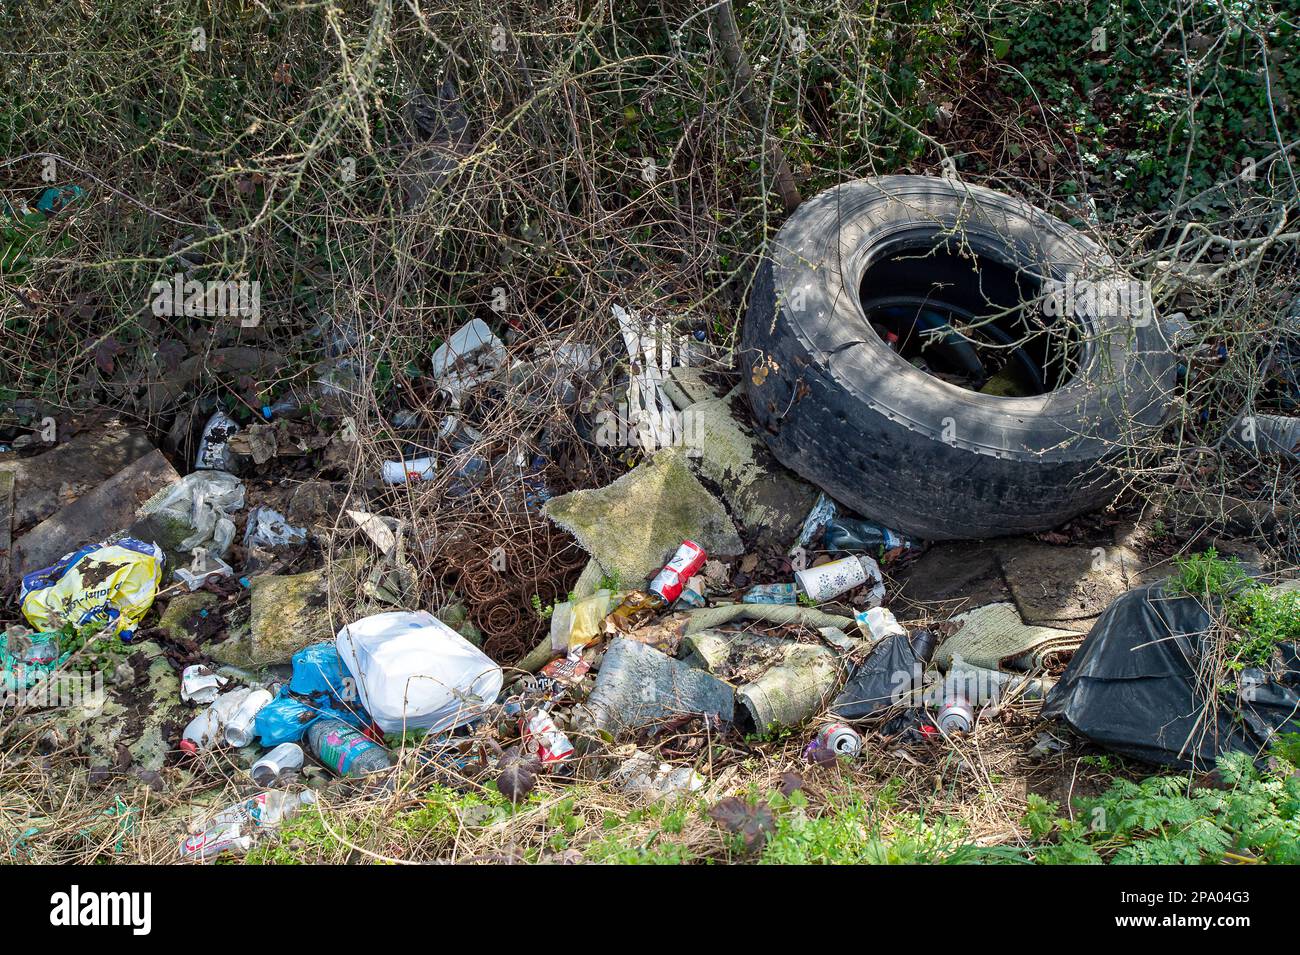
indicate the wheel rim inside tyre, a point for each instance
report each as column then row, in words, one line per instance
column 966, row 318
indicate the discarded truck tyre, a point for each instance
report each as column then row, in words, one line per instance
column 948, row 360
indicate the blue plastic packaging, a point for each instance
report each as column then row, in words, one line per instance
column 318, row 669
column 286, row 718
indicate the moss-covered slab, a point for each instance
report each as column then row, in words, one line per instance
column 288, row 613
column 631, row 527
column 769, row 501
column 124, row 723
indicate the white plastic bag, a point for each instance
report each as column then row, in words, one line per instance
column 415, row 672
column 205, row 501
column 269, row 528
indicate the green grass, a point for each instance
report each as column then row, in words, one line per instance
column 647, row 836
column 856, row 828
column 1164, row 819
column 425, row 831
column 1259, row 618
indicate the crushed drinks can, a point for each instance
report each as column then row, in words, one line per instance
column 691, row 599
column 840, row 739
column 551, row 744
column 670, row 581
column 771, row 594
column 566, row 669
column 956, row 715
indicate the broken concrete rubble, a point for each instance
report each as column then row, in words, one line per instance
column 288, row 613
column 96, row 515
column 768, row 500
column 45, row 482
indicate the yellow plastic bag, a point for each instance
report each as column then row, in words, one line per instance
column 113, row 582
column 575, row 624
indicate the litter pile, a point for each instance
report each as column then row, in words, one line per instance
column 715, row 593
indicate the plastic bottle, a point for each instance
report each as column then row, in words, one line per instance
column 209, row 726
column 213, row 841
column 287, row 407
column 847, row 534
column 43, row 651
column 345, row 750
column 201, row 732
column 231, row 829
column 265, row 810
column 414, row 469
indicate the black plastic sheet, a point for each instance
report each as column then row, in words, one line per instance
column 884, row 678
column 1132, row 687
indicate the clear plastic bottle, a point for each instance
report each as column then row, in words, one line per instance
column 345, row 750
column 265, row 810
column 231, row 830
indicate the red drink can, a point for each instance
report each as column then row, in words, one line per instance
column 670, row 581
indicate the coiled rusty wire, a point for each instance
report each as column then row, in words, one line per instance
column 508, row 579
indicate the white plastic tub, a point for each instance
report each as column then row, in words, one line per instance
column 415, row 672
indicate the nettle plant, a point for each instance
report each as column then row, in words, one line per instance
column 1257, row 619
column 1165, row 820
